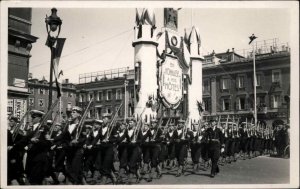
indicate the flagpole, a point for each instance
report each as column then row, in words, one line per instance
column 51, row 79
column 255, row 82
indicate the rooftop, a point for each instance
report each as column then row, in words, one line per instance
column 263, row 49
column 112, row 74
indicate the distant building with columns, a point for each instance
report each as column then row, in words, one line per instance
column 228, row 84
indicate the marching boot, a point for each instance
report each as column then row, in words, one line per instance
column 129, row 179
column 113, row 178
column 159, row 174
column 217, row 170
column 195, row 168
column 83, row 181
column 179, row 171
column 122, row 173
column 151, row 174
column 235, row 157
column 138, row 176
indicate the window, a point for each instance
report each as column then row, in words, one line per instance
column 118, row 94
column 108, row 109
column 31, row 90
column 225, row 83
column 41, row 103
column 100, row 95
column 90, row 96
column 206, row 86
column 258, row 80
column 240, row 82
column 98, row 110
column 108, row 95
column 80, row 97
column 275, row 101
column 10, row 105
column 276, row 76
column 31, row 102
column 206, row 104
column 260, row 100
column 90, row 113
column 42, row 91
column 226, row 104
column 242, row 103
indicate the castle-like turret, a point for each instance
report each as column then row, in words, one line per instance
column 193, row 42
column 145, row 61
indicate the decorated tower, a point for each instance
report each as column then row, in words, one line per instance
column 168, row 68
column 193, row 43
column 145, row 63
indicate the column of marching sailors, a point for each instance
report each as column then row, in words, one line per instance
column 139, row 153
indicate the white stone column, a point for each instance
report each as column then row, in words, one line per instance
column 195, row 89
column 145, row 60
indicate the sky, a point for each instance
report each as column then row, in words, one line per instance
column 101, row 38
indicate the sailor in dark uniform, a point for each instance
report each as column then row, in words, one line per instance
column 134, row 151
column 155, row 147
column 74, row 150
column 171, row 146
column 180, row 146
column 37, row 162
column 122, row 151
column 90, row 146
column 195, row 145
column 59, row 150
column 145, row 148
column 15, row 169
column 105, row 156
column 215, row 141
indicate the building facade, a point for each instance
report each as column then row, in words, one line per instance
column 228, row 86
column 19, row 45
column 39, row 96
column 108, row 89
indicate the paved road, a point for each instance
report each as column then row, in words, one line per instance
column 259, row 170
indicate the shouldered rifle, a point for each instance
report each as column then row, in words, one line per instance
column 44, row 119
column 17, row 128
column 226, row 126
column 53, row 124
column 185, row 127
column 81, row 122
column 232, row 125
column 219, row 121
column 138, row 125
column 112, row 123
column 158, row 126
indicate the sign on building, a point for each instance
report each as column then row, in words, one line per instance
column 170, row 82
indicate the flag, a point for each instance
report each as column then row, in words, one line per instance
column 57, row 50
column 252, row 38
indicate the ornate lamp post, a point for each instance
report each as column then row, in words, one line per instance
column 53, row 22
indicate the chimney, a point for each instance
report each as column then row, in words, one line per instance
column 67, row 81
column 232, row 54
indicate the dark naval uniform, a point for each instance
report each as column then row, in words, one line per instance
column 215, row 140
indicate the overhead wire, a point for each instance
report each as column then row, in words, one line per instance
column 87, row 47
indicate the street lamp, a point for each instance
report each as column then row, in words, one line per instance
column 53, row 22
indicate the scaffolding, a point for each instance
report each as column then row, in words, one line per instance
column 104, row 75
